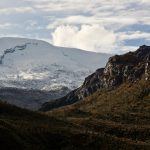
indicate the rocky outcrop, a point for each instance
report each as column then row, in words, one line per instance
column 12, row 50
column 129, row 67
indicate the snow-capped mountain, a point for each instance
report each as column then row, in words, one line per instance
column 35, row 64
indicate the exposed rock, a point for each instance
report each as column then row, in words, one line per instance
column 129, row 67
column 12, row 50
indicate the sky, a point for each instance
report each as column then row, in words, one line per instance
column 109, row 26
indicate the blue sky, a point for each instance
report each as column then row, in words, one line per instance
column 111, row 26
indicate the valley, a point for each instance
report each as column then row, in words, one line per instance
column 113, row 114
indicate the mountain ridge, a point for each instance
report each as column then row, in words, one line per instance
column 129, row 67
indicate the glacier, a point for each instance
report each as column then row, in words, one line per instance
column 38, row 65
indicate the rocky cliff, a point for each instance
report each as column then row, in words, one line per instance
column 129, row 67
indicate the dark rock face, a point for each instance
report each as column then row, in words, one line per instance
column 12, row 50
column 129, row 67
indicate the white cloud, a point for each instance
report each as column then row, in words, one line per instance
column 7, row 25
column 16, row 10
column 72, row 23
column 88, row 37
column 134, row 35
column 113, row 22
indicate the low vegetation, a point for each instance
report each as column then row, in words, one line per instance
column 106, row 120
column 123, row 113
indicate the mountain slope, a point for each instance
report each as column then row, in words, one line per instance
column 123, row 113
column 129, row 67
column 121, row 110
column 28, row 65
column 27, row 130
column 34, row 64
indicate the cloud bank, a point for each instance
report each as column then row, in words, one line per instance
column 111, row 26
column 87, row 37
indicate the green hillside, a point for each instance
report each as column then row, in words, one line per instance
column 123, row 113
column 105, row 120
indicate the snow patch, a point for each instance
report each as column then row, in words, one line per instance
column 35, row 64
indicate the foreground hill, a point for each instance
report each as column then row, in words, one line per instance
column 26, row 130
column 118, row 107
column 37, row 65
column 123, row 113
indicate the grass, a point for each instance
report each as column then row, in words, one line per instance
column 123, row 113
column 117, row 119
